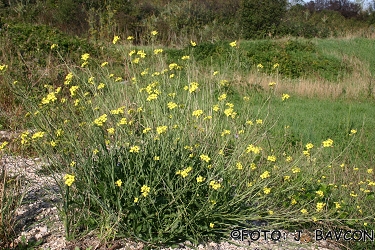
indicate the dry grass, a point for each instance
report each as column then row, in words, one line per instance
column 10, row 200
column 358, row 85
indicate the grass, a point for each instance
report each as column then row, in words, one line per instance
column 166, row 149
column 360, row 48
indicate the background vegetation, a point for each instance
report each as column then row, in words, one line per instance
column 318, row 53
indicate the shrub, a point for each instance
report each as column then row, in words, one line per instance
column 261, row 19
column 167, row 156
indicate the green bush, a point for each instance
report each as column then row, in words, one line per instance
column 296, row 59
column 261, row 19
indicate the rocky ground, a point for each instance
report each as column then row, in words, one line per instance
column 39, row 226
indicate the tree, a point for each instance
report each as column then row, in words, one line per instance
column 261, row 18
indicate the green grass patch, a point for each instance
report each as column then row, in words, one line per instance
column 360, row 48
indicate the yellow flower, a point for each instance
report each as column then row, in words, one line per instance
column 76, row 102
column 337, row 205
column 58, row 90
column 200, row 179
column 271, row 158
column 353, row 194
column 145, row 190
column 286, row 178
column 152, row 97
column 353, row 131
column 230, row 112
column 134, row 149
column 222, row 97
column 193, row 43
column 185, row 172
column 253, row 166
column 192, row 87
column 24, row 136
column 289, row 159
column 49, row 98
column 38, row 135
column 73, row 90
column 130, row 38
column 161, row 129
column 101, row 120
column 205, row 158
column 3, row 67
column 271, row 84
column 320, row 193
column 53, row 46
column 225, row 132
column 239, row 166
column 304, row 211
column 132, row 52
column 306, row 152
column 185, row 57
column 276, row 65
column 154, row 32
column 118, row 111
column 118, row 79
column 68, row 78
column 115, row 39
column 118, row 183
column 158, row 51
column 197, row 113
column 270, row 212
column 141, row 53
column 233, row 44
column 259, row 121
column 253, row 149
column 296, row 170
column 327, row 143
column 69, row 179
column 85, row 57
column 104, row 64
column 293, row 201
column 285, row 97
column 215, row 73
column 249, row 122
column 136, row 60
column 370, row 171
column 260, row 66
column 172, row 105
column 309, row 146
column 215, row 185
column 265, row 175
column 136, row 200
column 156, row 158
column 146, row 130
column 320, row 206
column 216, row 108
column 266, row 190
column 2, row 146
column 111, row 131
column 212, row 225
